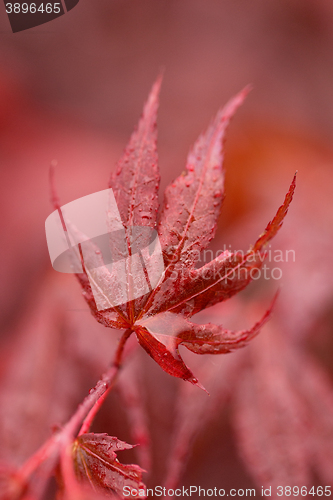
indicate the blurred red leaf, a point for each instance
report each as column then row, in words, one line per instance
column 270, row 419
column 314, row 388
column 195, row 412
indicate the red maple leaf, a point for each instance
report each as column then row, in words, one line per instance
column 96, row 461
column 186, row 225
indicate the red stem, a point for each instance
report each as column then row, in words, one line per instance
column 116, row 365
column 58, row 444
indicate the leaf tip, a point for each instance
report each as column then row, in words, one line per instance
column 246, row 90
column 196, row 382
column 153, row 97
column 293, row 183
column 226, row 113
column 236, row 101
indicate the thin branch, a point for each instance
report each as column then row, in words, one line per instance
column 54, row 449
column 116, row 365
